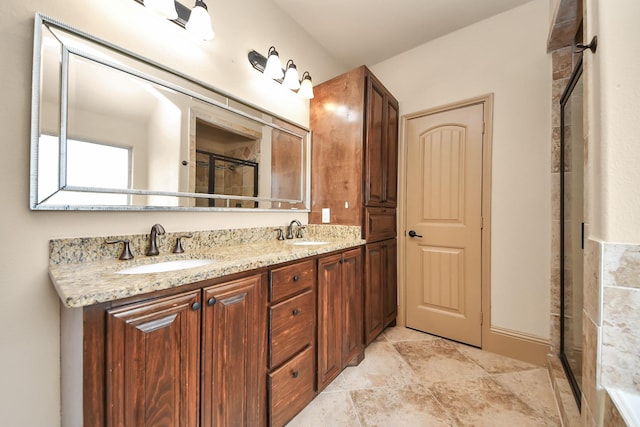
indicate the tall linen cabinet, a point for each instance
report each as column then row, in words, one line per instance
column 354, row 124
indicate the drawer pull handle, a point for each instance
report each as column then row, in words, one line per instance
column 295, row 312
column 195, row 306
column 294, row 374
column 211, row 301
column 296, row 278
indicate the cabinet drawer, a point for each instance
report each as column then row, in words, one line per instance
column 291, row 387
column 291, row 279
column 290, row 327
column 380, row 224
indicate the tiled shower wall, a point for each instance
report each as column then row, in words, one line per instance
column 620, row 363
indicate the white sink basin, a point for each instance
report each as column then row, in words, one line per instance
column 161, row 267
column 306, row 242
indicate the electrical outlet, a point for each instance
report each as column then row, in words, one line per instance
column 326, row 215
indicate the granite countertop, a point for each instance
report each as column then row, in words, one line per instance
column 86, row 281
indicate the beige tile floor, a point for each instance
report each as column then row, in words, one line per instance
column 413, row 379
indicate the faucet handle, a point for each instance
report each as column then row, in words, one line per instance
column 299, row 233
column 178, row 249
column 280, row 233
column 126, row 251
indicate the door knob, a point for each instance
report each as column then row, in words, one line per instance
column 412, row 233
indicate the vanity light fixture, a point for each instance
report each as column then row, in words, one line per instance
column 270, row 67
column 291, row 76
column 196, row 21
column 306, row 87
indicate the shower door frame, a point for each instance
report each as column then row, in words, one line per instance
column 573, row 382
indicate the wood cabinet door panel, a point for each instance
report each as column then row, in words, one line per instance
column 232, row 353
column 375, row 274
column 291, row 327
column 153, row 353
column 291, row 387
column 352, row 340
column 330, row 319
column 289, row 280
column 391, row 146
column 375, row 163
column 391, row 284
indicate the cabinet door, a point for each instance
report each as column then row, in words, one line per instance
column 375, row 167
column 390, row 301
column 153, row 363
column 352, row 340
column 375, row 277
column 329, row 319
column 233, row 353
column 391, row 150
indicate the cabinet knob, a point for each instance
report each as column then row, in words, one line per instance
column 294, row 374
column 211, row 301
column 295, row 312
column 196, row 306
column 296, row 278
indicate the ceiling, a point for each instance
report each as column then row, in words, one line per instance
column 357, row 32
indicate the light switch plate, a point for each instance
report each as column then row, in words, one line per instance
column 326, row 215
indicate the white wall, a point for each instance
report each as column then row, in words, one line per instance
column 29, row 306
column 613, row 91
column 505, row 55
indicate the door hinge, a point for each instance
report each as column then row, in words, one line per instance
column 481, row 319
column 481, row 223
column 484, row 127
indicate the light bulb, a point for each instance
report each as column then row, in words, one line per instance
column 306, row 87
column 199, row 23
column 164, row 8
column 273, row 69
column 291, row 77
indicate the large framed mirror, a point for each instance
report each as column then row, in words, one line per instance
column 112, row 130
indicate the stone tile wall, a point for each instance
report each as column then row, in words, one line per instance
column 621, row 317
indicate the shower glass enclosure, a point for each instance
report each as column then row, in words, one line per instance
column 572, row 159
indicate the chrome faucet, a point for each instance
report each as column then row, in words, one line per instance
column 290, row 229
column 156, row 230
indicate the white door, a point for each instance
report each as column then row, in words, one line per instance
column 443, row 260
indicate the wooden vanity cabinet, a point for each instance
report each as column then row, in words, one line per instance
column 249, row 351
column 354, row 160
column 196, row 358
column 354, row 123
column 340, row 329
column 291, row 379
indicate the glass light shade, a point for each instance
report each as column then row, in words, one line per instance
column 164, row 8
column 273, row 69
column 291, row 77
column 306, row 88
column 199, row 23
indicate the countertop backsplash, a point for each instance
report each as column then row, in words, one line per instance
column 90, row 249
